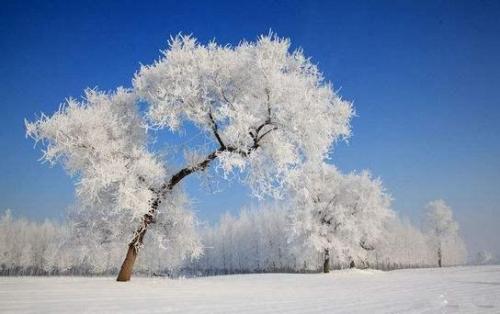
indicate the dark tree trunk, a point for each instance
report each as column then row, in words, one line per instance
column 128, row 264
column 352, row 264
column 440, row 257
column 133, row 248
column 326, row 263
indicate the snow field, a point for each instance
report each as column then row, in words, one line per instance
column 447, row 290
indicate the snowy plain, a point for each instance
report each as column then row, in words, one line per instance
column 447, row 290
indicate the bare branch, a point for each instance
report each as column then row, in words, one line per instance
column 215, row 129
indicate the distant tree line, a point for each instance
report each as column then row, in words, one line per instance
column 258, row 240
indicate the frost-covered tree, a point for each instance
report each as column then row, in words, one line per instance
column 338, row 214
column 266, row 110
column 484, row 257
column 441, row 227
column 402, row 245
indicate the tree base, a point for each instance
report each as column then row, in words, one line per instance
column 128, row 265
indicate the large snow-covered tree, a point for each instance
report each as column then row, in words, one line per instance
column 441, row 227
column 266, row 110
column 338, row 214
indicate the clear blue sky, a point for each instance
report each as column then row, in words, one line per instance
column 424, row 78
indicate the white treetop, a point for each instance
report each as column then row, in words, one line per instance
column 439, row 220
column 266, row 108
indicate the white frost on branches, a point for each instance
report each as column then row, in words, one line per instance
column 101, row 140
column 344, row 214
column 268, row 108
column 439, row 220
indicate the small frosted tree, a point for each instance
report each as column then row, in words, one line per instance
column 266, row 111
column 484, row 257
column 335, row 213
column 440, row 227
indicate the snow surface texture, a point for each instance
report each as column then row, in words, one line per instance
column 447, row 290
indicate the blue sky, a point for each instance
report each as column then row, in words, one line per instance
column 423, row 76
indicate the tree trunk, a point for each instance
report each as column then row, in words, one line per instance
column 128, row 264
column 440, row 258
column 326, row 263
column 133, row 248
column 352, row 264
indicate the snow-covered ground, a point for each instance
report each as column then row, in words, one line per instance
column 447, row 290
